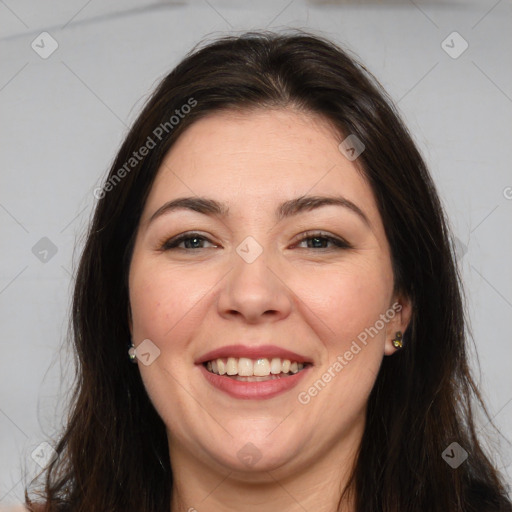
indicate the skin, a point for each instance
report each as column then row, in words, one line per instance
column 297, row 295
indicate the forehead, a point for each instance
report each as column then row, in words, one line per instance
column 258, row 159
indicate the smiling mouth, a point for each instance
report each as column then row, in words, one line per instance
column 254, row 370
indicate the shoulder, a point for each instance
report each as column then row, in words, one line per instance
column 37, row 507
column 21, row 508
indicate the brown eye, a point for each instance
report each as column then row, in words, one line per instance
column 319, row 241
column 190, row 240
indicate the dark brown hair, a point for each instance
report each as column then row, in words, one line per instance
column 113, row 453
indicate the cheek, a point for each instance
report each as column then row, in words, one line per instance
column 347, row 298
column 164, row 302
column 350, row 302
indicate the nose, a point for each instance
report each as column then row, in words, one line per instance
column 256, row 291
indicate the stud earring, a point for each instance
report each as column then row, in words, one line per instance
column 398, row 341
column 131, row 353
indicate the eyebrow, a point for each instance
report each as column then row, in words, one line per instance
column 289, row 208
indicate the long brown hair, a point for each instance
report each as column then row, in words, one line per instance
column 113, row 453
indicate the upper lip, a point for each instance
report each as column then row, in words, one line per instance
column 252, row 352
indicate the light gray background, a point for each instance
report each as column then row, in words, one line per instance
column 64, row 117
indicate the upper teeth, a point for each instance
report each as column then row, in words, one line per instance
column 246, row 367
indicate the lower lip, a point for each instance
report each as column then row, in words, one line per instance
column 253, row 390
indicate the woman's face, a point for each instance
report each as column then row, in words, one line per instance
column 261, row 291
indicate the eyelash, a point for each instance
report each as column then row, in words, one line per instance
column 169, row 244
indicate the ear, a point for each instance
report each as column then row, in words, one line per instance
column 402, row 307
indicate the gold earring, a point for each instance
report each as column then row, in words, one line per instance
column 398, row 342
column 131, row 354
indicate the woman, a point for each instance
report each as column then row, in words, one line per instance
column 270, row 251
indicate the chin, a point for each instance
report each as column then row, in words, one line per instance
column 249, row 455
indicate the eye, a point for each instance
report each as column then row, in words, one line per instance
column 191, row 240
column 319, row 240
